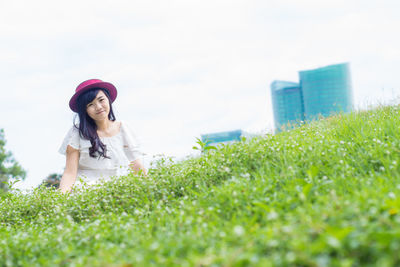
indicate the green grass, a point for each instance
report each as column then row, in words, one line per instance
column 325, row 194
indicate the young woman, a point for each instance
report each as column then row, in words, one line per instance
column 99, row 146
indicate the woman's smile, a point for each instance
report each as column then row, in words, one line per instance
column 99, row 107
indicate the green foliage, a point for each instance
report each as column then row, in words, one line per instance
column 324, row 194
column 9, row 167
column 203, row 146
column 52, row 180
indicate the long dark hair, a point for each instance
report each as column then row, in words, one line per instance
column 87, row 126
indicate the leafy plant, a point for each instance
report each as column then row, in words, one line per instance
column 203, row 146
column 9, row 167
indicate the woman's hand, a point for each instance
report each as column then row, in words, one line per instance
column 71, row 170
column 137, row 167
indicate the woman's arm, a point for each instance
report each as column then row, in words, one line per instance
column 137, row 167
column 71, row 170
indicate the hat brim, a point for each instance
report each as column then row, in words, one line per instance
column 102, row 85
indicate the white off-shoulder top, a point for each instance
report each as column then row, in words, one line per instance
column 122, row 149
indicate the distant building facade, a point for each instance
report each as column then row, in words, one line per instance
column 322, row 91
column 287, row 103
column 221, row 137
column 326, row 91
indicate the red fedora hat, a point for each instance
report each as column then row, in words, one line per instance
column 90, row 84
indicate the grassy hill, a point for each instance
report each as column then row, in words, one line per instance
column 325, row 194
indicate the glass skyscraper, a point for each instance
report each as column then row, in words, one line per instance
column 287, row 104
column 326, row 90
column 322, row 91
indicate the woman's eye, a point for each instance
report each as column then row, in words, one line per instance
column 101, row 100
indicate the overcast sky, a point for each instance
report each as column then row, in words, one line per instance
column 182, row 68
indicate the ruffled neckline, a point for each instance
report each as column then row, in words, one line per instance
column 115, row 135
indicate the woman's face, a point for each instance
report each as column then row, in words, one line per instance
column 99, row 108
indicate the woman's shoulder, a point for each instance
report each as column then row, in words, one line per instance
column 128, row 134
column 74, row 129
column 72, row 139
column 125, row 127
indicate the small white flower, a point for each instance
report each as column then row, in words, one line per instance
column 272, row 215
column 154, row 246
column 238, row 230
column 333, row 242
column 246, row 175
column 291, row 256
column 273, row 243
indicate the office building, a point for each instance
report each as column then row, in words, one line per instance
column 326, row 91
column 287, row 104
column 221, row 137
column 321, row 92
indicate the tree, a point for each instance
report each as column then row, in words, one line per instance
column 53, row 180
column 9, row 167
